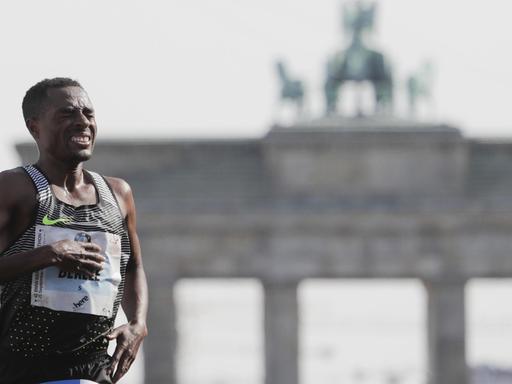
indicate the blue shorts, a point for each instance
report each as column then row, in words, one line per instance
column 73, row 381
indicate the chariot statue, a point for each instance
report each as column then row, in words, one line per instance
column 358, row 62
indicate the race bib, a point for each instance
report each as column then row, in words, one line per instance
column 73, row 291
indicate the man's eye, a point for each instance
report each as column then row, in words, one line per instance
column 88, row 113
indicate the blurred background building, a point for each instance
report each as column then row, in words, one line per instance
column 358, row 201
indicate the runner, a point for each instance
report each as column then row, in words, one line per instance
column 69, row 253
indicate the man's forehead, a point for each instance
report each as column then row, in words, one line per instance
column 68, row 96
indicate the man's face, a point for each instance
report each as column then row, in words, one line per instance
column 66, row 128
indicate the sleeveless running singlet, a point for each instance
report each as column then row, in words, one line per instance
column 55, row 313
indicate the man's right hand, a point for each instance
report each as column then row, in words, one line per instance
column 75, row 256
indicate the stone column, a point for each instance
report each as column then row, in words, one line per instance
column 160, row 344
column 446, row 332
column 281, row 333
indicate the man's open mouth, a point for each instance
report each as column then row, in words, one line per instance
column 81, row 139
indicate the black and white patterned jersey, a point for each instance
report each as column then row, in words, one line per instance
column 51, row 312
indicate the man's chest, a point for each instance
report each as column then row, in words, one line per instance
column 84, row 195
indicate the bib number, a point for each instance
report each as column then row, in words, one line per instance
column 73, row 291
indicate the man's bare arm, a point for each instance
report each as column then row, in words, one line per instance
column 135, row 299
column 14, row 188
column 17, row 205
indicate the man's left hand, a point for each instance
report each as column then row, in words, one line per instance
column 129, row 337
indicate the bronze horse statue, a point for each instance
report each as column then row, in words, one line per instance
column 358, row 63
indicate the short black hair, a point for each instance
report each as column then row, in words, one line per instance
column 35, row 97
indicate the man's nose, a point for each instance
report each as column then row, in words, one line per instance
column 82, row 119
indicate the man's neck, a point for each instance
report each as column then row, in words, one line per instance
column 67, row 176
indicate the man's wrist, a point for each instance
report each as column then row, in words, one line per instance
column 141, row 324
column 48, row 259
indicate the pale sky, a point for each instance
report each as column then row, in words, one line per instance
column 203, row 68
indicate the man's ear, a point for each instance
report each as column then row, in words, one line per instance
column 33, row 127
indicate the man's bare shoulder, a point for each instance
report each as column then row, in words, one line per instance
column 15, row 186
column 123, row 193
column 119, row 186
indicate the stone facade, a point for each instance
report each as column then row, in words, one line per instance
column 331, row 198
